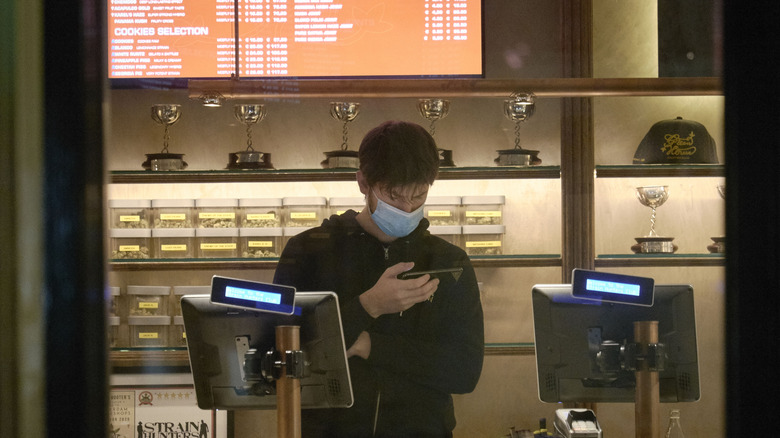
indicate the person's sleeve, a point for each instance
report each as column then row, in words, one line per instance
column 452, row 361
column 291, row 271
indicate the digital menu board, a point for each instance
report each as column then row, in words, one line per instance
column 293, row 38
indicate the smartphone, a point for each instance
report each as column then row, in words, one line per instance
column 435, row 273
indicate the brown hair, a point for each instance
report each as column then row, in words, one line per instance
column 397, row 153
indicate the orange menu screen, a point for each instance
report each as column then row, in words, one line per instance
column 293, row 38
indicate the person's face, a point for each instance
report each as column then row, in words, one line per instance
column 406, row 198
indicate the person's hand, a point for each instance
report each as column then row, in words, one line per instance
column 361, row 347
column 391, row 295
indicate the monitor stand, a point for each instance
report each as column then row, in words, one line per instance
column 288, row 386
column 646, row 406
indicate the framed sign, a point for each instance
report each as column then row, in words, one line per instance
column 160, row 412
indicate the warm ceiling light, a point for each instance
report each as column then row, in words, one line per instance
column 212, row 99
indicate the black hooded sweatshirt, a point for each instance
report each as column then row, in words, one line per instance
column 418, row 358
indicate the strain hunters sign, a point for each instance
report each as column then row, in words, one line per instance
column 162, row 412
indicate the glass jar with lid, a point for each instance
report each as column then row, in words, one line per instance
column 174, row 243
column 216, row 213
column 483, row 239
column 173, row 213
column 260, row 212
column 442, row 210
column 483, row 210
column 130, row 213
column 304, row 211
column 217, row 242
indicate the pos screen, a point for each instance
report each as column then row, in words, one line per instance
column 616, row 288
column 252, row 295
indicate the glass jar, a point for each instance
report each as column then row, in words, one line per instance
column 442, row 210
column 115, row 305
column 483, row 210
column 174, row 243
column 260, row 242
column 178, row 335
column 131, row 243
column 173, row 213
column 180, row 291
column 149, row 331
column 304, row 211
column 130, row 213
column 114, row 340
column 450, row 233
column 339, row 205
column 216, row 213
column 483, row 239
column 260, row 212
column 148, row 300
column 217, row 242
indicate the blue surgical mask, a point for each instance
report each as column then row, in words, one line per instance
column 394, row 221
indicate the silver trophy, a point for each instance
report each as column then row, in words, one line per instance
column 434, row 110
column 249, row 115
column 653, row 197
column 518, row 108
column 343, row 158
column 165, row 114
column 718, row 244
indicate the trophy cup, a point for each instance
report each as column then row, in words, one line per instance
column 719, row 243
column 433, row 110
column 165, row 114
column 249, row 114
column 653, row 197
column 343, row 158
column 519, row 108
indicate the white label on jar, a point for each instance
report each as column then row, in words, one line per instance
column 217, row 215
column 261, row 216
column 476, row 213
column 173, row 216
column 483, row 244
column 129, row 218
column 260, row 244
column 217, row 246
column 129, row 248
column 439, row 213
column 303, row 215
column 173, row 247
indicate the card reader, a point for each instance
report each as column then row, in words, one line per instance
column 577, row 423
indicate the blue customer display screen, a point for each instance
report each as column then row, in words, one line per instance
column 257, row 296
column 252, row 295
column 616, row 288
column 611, row 287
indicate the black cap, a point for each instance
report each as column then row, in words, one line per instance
column 677, row 141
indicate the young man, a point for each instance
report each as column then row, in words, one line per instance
column 411, row 343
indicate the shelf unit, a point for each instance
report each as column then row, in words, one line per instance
column 577, row 173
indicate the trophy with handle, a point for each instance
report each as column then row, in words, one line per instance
column 165, row 114
column 652, row 243
column 249, row 114
column 434, row 110
column 343, row 158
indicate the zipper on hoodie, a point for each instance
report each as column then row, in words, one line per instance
column 376, row 412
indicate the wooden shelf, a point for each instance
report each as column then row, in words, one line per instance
column 659, row 260
column 510, row 261
column 660, row 170
column 149, row 358
column 441, row 88
column 296, row 175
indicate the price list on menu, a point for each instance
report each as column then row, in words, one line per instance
column 293, row 38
